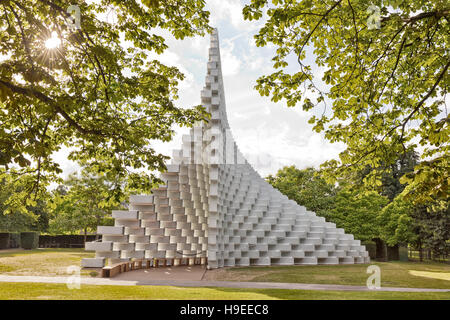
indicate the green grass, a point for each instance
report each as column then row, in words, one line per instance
column 55, row 261
column 393, row 274
column 47, row 262
column 22, row 252
column 4, row 269
column 43, row 262
column 41, row 291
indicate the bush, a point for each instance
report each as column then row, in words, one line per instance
column 14, row 240
column 4, row 240
column 64, row 241
column 29, row 240
column 403, row 251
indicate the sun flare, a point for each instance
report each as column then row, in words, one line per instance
column 53, row 42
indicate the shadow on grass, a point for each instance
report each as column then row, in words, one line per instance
column 285, row 294
column 82, row 255
column 393, row 274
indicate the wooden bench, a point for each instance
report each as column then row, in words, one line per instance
column 115, row 269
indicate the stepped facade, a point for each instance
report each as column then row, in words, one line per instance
column 214, row 205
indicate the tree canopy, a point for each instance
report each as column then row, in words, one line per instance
column 396, row 223
column 24, row 217
column 306, row 187
column 380, row 215
column 357, row 213
column 83, row 202
column 385, row 75
column 94, row 89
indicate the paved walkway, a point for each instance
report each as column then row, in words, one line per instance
column 200, row 283
column 185, row 273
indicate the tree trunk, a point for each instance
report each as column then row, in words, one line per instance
column 99, row 222
column 381, row 249
column 85, row 235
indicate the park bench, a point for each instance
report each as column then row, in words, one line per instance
column 115, row 269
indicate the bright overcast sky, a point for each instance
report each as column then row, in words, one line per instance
column 270, row 135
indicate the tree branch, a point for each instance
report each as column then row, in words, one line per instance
column 317, row 25
column 49, row 101
column 430, row 92
column 438, row 14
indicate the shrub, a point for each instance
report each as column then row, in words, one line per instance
column 29, row 240
column 403, row 252
column 14, row 240
column 4, row 240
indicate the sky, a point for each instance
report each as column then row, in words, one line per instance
column 270, row 135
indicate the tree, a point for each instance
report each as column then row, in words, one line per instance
column 382, row 215
column 357, row 213
column 397, row 223
column 394, row 220
column 83, row 203
column 93, row 88
column 306, row 187
column 385, row 75
column 391, row 185
column 18, row 216
column 432, row 225
column 350, row 207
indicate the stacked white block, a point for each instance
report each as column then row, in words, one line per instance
column 215, row 205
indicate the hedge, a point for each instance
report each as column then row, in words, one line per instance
column 4, row 240
column 29, row 240
column 64, row 240
column 14, row 240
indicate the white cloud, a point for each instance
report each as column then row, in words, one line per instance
column 230, row 11
column 230, row 63
column 199, row 44
column 271, row 135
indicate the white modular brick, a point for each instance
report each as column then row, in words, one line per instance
column 215, row 205
column 122, row 214
column 141, row 199
column 99, row 246
column 110, row 230
column 93, row 262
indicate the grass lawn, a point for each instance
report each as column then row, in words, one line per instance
column 393, row 274
column 42, row 291
column 41, row 262
column 54, row 262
